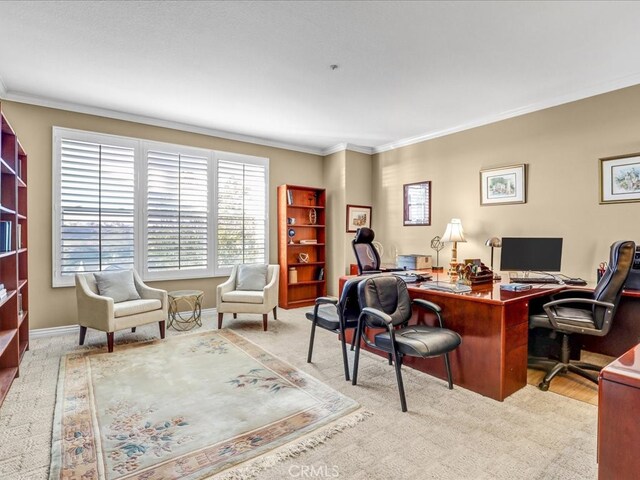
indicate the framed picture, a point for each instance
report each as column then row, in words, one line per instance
column 500, row 186
column 358, row 216
column 620, row 179
column 417, row 204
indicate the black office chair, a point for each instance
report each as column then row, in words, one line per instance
column 366, row 254
column 584, row 312
column 385, row 303
column 337, row 316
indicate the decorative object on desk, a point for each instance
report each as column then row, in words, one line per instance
column 414, row 262
column 358, row 216
column 620, row 179
column 463, row 272
column 303, row 257
column 291, row 233
column 494, row 242
column 437, row 245
column 454, row 233
column 5, row 236
column 289, row 197
column 293, row 275
column 499, row 186
column 313, row 216
column 291, row 221
column 479, row 272
column 417, row 204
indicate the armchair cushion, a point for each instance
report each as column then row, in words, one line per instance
column 243, row 296
column 133, row 307
column 118, row 285
column 251, row 277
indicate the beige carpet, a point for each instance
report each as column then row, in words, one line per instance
column 445, row 435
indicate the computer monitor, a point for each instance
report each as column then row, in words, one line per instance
column 531, row 254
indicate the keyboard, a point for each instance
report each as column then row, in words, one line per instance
column 533, row 280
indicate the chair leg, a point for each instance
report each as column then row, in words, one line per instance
column 133, row 329
column 161, row 324
column 398, row 365
column 544, row 384
column 235, row 316
column 275, row 312
column 110, row 341
column 343, row 343
column 83, row 333
column 390, row 358
column 448, row 368
column 579, row 371
column 311, row 340
column 220, row 321
column 353, row 340
column 354, row 377
column 264, row 321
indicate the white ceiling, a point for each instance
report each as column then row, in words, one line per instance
column 259, row 71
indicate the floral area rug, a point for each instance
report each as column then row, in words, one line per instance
column 186, row 407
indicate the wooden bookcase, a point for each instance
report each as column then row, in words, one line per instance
column 297, row 207
column 14, row 312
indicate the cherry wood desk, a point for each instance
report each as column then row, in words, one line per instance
column 492, row 359
column 618, row 413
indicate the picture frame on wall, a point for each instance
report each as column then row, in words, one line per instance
column 417, row 204
column 503, row 185
column 358, row 216
column 620, row 179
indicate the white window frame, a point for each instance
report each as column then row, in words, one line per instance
column 140, row 147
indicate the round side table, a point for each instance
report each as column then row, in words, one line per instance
column 192, row 298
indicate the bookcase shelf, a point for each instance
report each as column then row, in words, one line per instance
column 14, row 325
column 302, row 211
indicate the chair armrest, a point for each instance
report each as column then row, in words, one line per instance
column 94, row 310
column 558, row 324
column 326, row 300
column 270, row 291
column 149, row 293
column 573, row 293
column 427, row 305
column 225, row 287
column 379, row 319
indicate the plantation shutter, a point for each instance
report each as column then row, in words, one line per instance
column 242, row 213
column 177, row 212
column 96, row 207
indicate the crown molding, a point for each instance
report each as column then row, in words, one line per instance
column 618, row 84
column 156, row 122
column 347, row 146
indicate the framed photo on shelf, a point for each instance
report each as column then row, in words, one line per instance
column 620, row 179
column 358, row 216
column 503, row 185
column 417, row 204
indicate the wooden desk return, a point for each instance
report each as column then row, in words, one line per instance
column 492, row 359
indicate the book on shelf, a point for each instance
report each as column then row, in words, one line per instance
column 308, row 241
column 3, row 294
column 20, row 311
column 5, row 236
column 19, row 236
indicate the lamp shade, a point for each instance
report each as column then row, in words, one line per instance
column 494, row 242
column 454, row 232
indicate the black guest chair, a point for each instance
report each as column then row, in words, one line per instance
column 385, row 303
column 583, row 312
column 337, row 316
column 366, row 254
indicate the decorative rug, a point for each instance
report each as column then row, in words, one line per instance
column 186, row 407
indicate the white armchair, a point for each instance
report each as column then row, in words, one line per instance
column 102, row 313
column 236, row 295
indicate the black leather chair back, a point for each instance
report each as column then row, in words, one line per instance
column 388, row 294
column 609, row 288
column 348, row 303
column 366, row 254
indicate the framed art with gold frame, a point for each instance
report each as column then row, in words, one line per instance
column 620, row 179
column 503, row 185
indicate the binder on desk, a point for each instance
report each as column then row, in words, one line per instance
column 446, row 287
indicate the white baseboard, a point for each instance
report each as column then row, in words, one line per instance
column 67, row 329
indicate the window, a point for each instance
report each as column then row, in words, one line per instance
column 169, row 211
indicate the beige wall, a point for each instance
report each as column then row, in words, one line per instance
column 561, row 146
column 51, row 307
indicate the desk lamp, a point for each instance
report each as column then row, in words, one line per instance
column 453, row 234
column 494, row 242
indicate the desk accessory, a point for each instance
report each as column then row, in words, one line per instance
column 446, row 287
column 437, row 245
column 494, row 242
column 454, row 233
column 516, row 287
